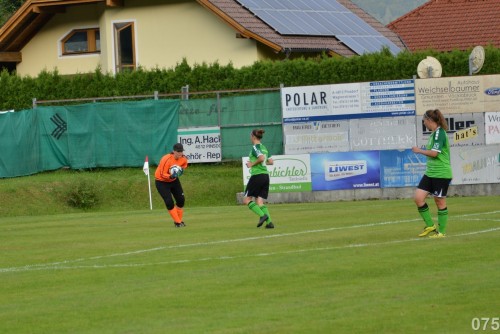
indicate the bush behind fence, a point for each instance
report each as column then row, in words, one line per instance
column 18, row 92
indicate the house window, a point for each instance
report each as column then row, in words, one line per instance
column 124, row 46
column 81, row 41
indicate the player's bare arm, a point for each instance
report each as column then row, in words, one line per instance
column 428, row 153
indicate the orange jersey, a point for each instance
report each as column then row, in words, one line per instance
column 162, row 172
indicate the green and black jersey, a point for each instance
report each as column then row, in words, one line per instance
column 440, row 166
column 258, row 150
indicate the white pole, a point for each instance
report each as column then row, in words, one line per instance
column 150, row 201
column 145, row 168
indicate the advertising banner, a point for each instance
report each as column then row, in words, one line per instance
column 401, row 168
column 492, row 127
column 386, row 133
column 388, row 98
column 345, row 101
column 288, row 173
column 201, row 144
column 491, row 93
column 316, row 136
column 463, row 130
column 455, row 95
column 458, row 95
column 472, row 165
column 345, row 170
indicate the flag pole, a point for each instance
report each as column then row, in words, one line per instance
column 146, row 171
column 150, row 201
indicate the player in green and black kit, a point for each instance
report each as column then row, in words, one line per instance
column 438, row 175
column 258, row 186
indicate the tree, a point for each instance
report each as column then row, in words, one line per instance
column 7, row 8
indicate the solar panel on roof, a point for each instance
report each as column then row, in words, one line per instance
column 320, row 18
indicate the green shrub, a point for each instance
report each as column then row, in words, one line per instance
column 17, row 92
column 83, row 194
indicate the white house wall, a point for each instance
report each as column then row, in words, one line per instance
column 43, row 51
column 166, row 32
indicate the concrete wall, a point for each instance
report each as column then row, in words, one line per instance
column 463, row 190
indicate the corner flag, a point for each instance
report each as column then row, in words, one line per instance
column 145, row 169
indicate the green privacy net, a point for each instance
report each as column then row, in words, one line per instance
column 121, row 134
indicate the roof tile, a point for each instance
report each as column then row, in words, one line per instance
column 445, row 25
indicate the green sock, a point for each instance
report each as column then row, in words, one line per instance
column 442, row 220
column 266, row 211
column 255, row 208
column 426, row 215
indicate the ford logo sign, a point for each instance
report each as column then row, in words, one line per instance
column 492, row 91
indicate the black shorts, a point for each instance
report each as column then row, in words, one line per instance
column 169, row 189
column 258, row 186
column 435, row 186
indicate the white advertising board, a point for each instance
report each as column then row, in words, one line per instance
column 346, row 101
column 288, row 173
column 316, row 136
column 492, row 127
column 463, row 130
column 472, row 165
column 385, row 133
column 201, row 144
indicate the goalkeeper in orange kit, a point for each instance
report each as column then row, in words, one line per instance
column 168, row 184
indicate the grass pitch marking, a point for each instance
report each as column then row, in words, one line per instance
column 66, row 263
column 61, row 266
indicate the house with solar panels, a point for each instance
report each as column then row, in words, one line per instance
column 79, row 36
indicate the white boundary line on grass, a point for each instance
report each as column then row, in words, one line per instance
column 64, row 264
column 57, row 266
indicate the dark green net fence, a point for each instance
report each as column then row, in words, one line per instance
column 122, row 134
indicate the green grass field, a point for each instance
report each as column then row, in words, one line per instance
column 343, row 267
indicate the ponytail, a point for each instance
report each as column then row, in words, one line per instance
column 437, row 117
column 258, row 133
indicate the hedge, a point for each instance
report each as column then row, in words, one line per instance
column 18, row 92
